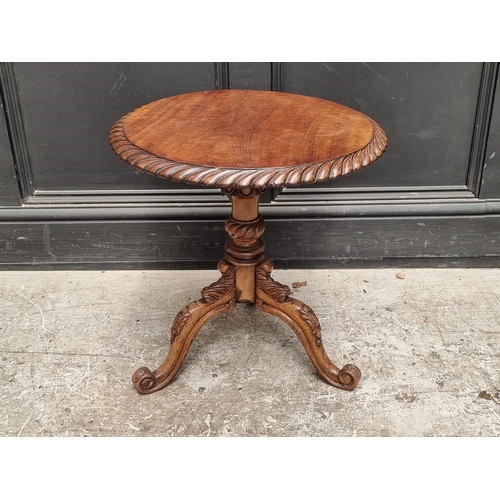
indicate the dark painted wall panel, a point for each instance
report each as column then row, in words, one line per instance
column 426, row 109
column 251, row 76
column 325, row 242
column 490, row 185
column 69, row 108
column 9, row 192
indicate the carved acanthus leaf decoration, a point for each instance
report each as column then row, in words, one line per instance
column 179, row 322
column 225, row 284
column 268, row 285
column 307, row 314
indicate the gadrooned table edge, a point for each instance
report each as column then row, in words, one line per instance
column 239, row 178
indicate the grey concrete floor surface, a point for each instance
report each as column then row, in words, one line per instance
column 428, row 347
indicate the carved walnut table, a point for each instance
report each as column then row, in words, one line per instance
column 244, row 141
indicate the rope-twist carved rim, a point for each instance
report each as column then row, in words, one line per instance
column 246, row 177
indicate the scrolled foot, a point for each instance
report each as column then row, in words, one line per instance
column 349, row 376
column 144, row 380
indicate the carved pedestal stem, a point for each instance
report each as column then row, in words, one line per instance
column 245, row 249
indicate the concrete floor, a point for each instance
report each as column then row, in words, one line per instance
column 428, row 346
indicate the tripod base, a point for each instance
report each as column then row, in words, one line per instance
column 220, row 298
column 246, row 277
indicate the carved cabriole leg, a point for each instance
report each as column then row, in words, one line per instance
column 218, row 298
column 272, row 297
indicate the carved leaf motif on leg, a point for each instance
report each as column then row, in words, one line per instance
column 211, row 293
column 179, row 322
column 307, row 314
column 224, row 285
column 268, row 285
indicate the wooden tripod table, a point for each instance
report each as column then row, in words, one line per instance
column 244, row 141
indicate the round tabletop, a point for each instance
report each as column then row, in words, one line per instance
column 247, row 138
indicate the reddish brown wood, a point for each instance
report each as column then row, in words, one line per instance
column 247, row 138
column 244, row 141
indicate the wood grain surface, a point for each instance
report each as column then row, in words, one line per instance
column 248, row 129
column 247, row 138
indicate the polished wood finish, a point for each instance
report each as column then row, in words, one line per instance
column 245, row 138
column 244, row 141
column 231, row 130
